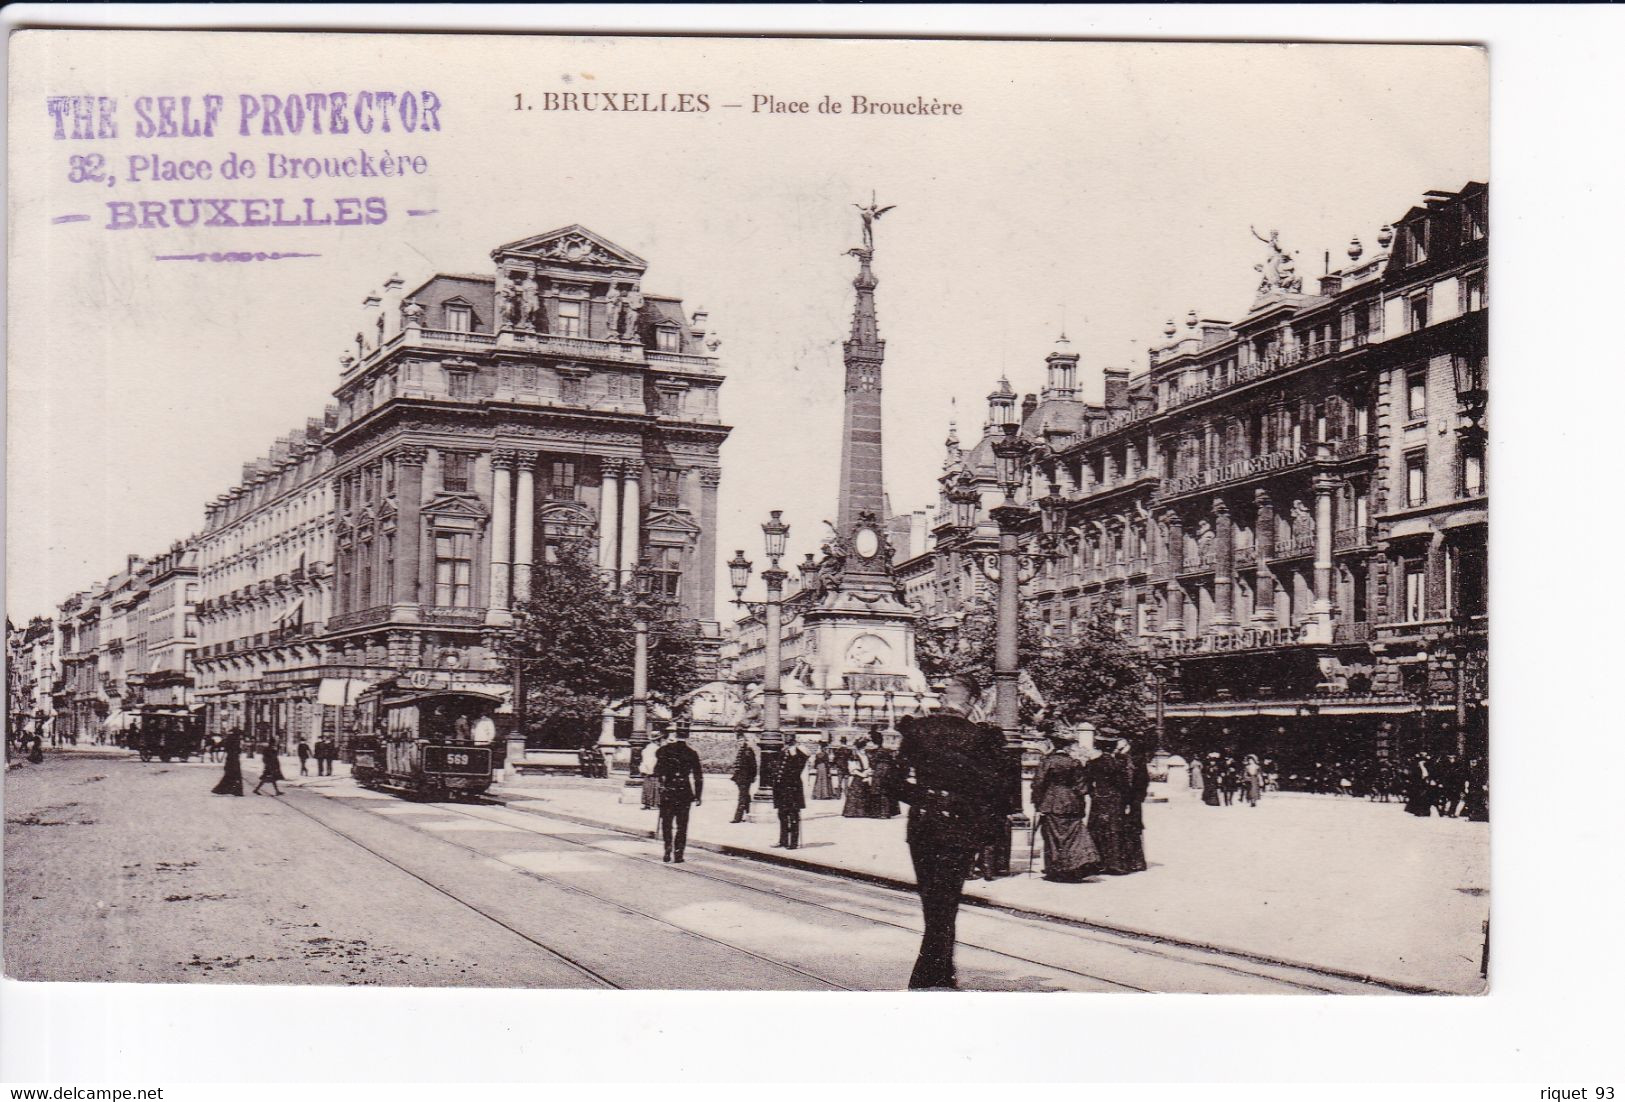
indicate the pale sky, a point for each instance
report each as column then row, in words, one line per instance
column 1108, row 185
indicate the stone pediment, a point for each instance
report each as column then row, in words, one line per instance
column 456, row 505
column 571, row 245
column 671, row 525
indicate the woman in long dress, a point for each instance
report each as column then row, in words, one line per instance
column 1110, row 780
column 859, row 787
column 1210, row 780
column 231, row 781
column 1419, row 800
column 1060, row 798
column 272, row 772
column 883, row 805
column 823, row 786
column 1252, row 780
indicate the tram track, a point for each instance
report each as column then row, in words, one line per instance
column 565, row 886
column 1083, row 934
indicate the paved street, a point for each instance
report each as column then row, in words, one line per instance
column 119, row 870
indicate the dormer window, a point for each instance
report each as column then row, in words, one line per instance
column 1416, row 234
column 666, row 339
column 1473, row 218
column 459, row 318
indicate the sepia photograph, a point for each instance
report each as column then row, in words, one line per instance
column 748, row 514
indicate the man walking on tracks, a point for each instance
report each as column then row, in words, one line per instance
column 743, row 776
column 957, row 805
column 677, row 768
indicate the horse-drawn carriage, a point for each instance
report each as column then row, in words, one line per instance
column 168, row 734
column 435, row 743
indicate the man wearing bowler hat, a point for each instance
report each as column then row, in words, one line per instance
column 957, row 798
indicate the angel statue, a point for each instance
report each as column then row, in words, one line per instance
column 870, row 215
column 1278, row 272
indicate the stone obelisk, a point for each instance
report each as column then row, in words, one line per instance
column 860, row 654
column 862, row 487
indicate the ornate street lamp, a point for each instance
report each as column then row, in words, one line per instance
column 739, row 575
column 775, row 534
column 1472, row 390
column 966, row 504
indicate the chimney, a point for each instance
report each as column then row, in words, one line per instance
column 1116, row 388
column 1029, row 406
column 392, row 304
column 1214, row 332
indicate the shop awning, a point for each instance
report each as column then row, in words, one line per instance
column 339, row 691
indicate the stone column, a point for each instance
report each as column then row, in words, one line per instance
column 1325, row 485
column 524, row 524
column 631, row 519
column 609, row 518
column 1224, row 565
column 703, row 589
column 502, row 464
column 408, row 524
column 1175, row 623
column 1264, row 545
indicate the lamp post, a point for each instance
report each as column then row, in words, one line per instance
column 1159, row 676
column 642, row 609
column 775, row 533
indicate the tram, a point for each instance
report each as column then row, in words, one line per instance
column 429, row 743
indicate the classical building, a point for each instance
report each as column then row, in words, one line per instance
column 482, row 423
column 167, row 628
column 264, row 587
column 487, row 421
column 1288, row 508
column 30, row 668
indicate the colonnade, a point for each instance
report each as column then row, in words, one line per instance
column 513, row 525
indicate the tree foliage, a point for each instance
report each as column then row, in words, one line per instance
column 1093, row 676
column 575, row 636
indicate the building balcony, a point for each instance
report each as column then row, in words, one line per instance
column 460, row 617
column 378, row 614
column 1277, row 361
column 1239, row 470
column 1348, row 539
column 1294, row 547
column 1354, row 447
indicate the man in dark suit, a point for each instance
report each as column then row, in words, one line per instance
column 677, row 768
column 789, row 796
column 743, row 776
column 958, row 802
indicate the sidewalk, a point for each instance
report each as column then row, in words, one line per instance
column 1327, row 882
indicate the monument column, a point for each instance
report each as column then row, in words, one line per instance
column 524, row 524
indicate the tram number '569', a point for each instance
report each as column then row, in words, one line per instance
column 456, row 759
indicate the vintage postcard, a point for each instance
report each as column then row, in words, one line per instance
column 546, row 511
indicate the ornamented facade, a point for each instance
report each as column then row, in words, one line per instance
column 1289, row 508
